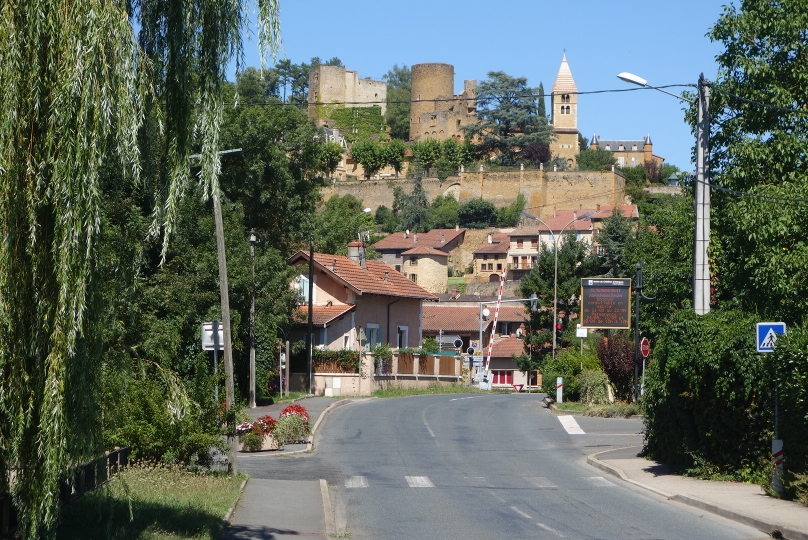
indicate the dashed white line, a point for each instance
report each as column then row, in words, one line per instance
column 550, row 529
column 356, row 482
column 569, row 424
column 541, row 482
column 515, row 509
column 598, row 481
column 459, row 398
column 419, row 481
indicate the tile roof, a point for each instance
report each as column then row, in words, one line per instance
column 377, row 278
column 564, row 81
column 323, row 315
column 562, row 219
column 500, row 243
column 452, row 319
column 425, row 250
column 505, row 346
column 432, row 238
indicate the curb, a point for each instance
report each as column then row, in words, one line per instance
column 229, row 514
column 772, row 529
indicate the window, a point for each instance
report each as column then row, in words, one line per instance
column 402, row 337
column 565, row 98
column 302, row 286
column 600, row 250
column 633, row 162
column 414, row 278
column 621, row 161
column 346, row 341
column 398, row 268
column 502, row 376
column 634, row 147
column 373, row 336
column 515, row 260
column 413, row 261
column 519, row 243
column 490, row 267
column 499, row 267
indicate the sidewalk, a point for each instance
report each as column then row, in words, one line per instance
column 278, row 509
column 744, row 503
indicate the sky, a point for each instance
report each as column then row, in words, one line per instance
column 662, row 41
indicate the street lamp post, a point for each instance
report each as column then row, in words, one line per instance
column 585, row 216
column 254, row 239
column 701, row 268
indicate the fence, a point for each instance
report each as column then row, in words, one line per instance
column 76, row 482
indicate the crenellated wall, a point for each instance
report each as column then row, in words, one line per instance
column 544, row 191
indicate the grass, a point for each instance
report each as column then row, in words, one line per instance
column 612, row 410
column 153, row 503
column 400, row 391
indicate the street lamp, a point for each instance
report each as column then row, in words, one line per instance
column 255, row 238
column 701, row 269
column 584, row 216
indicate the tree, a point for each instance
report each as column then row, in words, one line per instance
column 395, row 152
column 444, row 212
column 330, row 156
column 613, row 238
column 595, row 160
column 508, row 118
column 616, row 355
column 370, row 154
column 477, row 214
column 76, row 94
column 256, row 87
column 541, row 110
column 508, row 216
column 758, row 147
column 339, row 222
column 426, row 153
column 385, row 219
column 537, row 153
column 414, row 213
column 397, row 116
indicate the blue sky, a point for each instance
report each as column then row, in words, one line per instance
column 661, row 41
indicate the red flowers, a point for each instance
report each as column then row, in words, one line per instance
column 298, row 410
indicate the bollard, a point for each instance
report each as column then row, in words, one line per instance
column 777, row 466
column 559, row 389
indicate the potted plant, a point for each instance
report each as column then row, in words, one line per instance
column 382, row 359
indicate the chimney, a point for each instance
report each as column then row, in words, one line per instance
column 457, row 226
column 356, row 252
column 387, row 276
column 442, row 239
column 414, row 237
column 597, row 207
column 490, row 239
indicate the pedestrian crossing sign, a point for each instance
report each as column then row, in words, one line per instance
column 767, row 333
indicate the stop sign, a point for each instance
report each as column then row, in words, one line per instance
column 645, row 347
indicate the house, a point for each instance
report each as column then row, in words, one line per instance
column 628, row 153
column 491, row 257
column 425, row 258
column 358, row 303
column 525, row 241
column 469, row 319
column 504, row 370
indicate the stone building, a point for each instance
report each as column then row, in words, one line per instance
column 628, row 153
column 435, row 112
column 564, row 116
column 336, row 84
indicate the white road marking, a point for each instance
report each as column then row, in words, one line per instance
column 569, row 423
column 550, row 529
column 459, row 398
column 419, row 481
column 598, row 481
column 356, row 482
column 515, row 509
column 423, row 418
column 541, row 482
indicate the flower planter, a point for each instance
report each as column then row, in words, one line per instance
column 269, row 443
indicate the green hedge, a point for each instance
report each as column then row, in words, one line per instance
column 708, row 410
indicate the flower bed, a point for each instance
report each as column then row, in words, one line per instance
column 266, row 433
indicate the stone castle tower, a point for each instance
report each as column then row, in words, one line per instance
column 564, row 115
column 435, row 112
column 337, row 84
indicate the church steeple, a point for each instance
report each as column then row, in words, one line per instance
column 564, row 102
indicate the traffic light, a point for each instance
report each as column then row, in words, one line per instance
column 559, row 333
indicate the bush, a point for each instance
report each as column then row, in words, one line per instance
column 290, row 429
column 593, row 385
column 252, row 442
column 616, row 355
column 704, row 408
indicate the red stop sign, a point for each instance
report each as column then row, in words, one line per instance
column 645, row 347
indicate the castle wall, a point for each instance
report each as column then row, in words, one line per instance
column 430, row 119
column 544, row 191
column 337, row 84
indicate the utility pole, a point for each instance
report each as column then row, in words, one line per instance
column 637, row 294
column 228, row 349
column 309, row 351
column 701, row 268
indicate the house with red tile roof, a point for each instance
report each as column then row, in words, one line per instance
column 358, row 303
column 491, row 257
column 423, row 257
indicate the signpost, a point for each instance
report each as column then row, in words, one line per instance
column 767, row 333
column 605, row 303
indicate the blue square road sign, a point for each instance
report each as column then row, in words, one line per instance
column 767, row 333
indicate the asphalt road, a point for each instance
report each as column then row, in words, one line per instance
column 485, row 466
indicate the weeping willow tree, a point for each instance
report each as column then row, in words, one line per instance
column 77, row 79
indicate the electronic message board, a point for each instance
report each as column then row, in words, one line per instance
column 605, row 303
